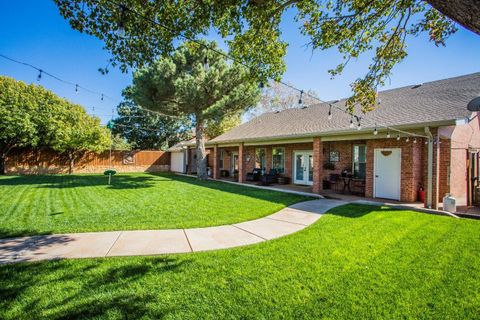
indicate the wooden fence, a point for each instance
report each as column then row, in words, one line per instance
column 48, row 161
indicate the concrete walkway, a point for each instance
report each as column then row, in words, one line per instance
column 154, row 242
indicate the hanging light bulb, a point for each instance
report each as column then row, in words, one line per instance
column 375, row 131
column 300, row 102
column 426, row 141
column 39, row 77
column 330, row 116
column 351, row 123
column 76, row 88
column 359, row 126
column 261, row 85
column 206, row 65
column 388, row 134
column 398, row 137
column 101, row 97
column 415, row 140
column 407, row 139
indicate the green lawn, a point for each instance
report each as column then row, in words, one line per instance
column 357, row 262
column 61, row 203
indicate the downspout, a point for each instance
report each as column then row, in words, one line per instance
column 429, row 168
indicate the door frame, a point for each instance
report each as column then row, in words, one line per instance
column 294, row 167
column 375, row 168
column 232, row 162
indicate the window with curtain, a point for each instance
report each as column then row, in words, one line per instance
column 260, row 158
column 221, row 159
column 359, row 161
column 278, row 159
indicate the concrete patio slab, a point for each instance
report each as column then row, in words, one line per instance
column 269, row 228
column 150, row 242
column 295, row 216
column 221, row 237
column 75, row 245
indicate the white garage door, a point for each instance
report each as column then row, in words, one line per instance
column 177, row 162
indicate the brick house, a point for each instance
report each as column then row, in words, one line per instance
column 439, row 153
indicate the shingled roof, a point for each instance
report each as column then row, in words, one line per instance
column 438, row 102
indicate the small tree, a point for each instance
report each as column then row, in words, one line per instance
column 185, row 85
column 278, row 97
column 78, row 132
column 216, row 127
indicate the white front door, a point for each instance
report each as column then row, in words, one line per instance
column 303, row 167
column 387, row 172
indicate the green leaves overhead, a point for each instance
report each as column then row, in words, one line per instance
column 137, row 32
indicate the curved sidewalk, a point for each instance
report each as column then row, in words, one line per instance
column 154, row 242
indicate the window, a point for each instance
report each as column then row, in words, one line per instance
column 278, row 159
column 359, row 161
column 221, row 159
column 260, row 158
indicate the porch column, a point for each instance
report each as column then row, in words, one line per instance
column 241, row 163
column 317, row 165
column 189, row 160
column 216, row 169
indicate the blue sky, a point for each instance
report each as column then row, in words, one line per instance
column 34, row 32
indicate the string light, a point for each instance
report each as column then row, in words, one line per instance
column 415, row 140
column 398, row 137
column 388, row 134
column 351, row 123
column 300, row 102
column 375, row 131
column 39, row 77
column 101, row 97
column 330, row 113
column 407, row 139
column 359, row 126
column 76, row 88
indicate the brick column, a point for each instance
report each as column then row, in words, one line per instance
column 189, row 159
column 436, row 174
column 317, row 165
column 216, row 162
column 241, row 163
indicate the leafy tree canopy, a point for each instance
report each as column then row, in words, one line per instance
column 184, row 85
column 216, row 127
column 31, row 116
column 252, row 30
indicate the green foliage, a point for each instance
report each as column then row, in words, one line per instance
column 147, row 131
column 252, row 28
column 120, row 143
column 216, row 127
column 31, row 116
column 180, row 86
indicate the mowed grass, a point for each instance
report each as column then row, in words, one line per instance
column 79, row 203
column 357, row 262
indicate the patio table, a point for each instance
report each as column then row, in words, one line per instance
column 347, row 183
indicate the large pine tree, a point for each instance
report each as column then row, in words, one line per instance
column 198, row 83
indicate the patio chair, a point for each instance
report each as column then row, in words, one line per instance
column 269, row 178
column 254, row 175
column 333, row 181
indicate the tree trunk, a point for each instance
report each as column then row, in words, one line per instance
column 71, row 162
column 200, row 150
column 3, row 158
column 465, row 12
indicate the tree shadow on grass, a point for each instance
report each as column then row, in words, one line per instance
column 257, row 193
column 102, row 287
column 358, row 210
column 76, row 181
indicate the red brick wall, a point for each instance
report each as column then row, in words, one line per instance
column 411, row 166
column 345, row 152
